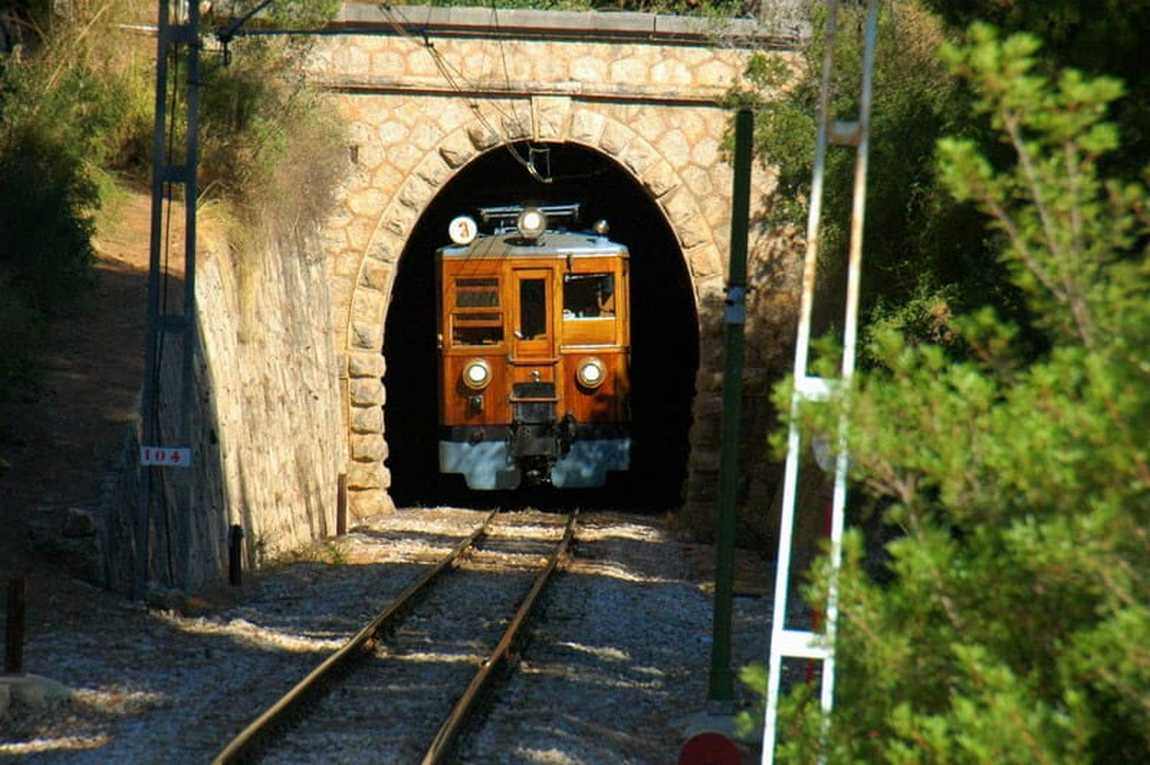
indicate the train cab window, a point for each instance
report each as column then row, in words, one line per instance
column 588, row 296
column 473, row 322
column 477, row 293
column 532, row 308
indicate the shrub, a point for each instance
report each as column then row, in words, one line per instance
column 1014, row 625
column 270, row 142
column 46, row 204
column 917, row 237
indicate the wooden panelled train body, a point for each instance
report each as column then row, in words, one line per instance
column 534, row 351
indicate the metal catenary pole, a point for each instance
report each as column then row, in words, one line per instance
column 786, row 643
column 154, row 455
column 148, row 398
column 721, row 686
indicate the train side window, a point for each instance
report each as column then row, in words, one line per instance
column 466, row 335
column 588, row 296
column 477, row 293
column 473, row 322
column 532, row 308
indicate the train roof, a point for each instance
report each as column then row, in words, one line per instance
column 552, row 244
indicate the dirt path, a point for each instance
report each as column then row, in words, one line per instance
column 59, row 439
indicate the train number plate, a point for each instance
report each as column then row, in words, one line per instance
column 166, row 456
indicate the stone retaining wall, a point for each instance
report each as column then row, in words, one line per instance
column 269, row 441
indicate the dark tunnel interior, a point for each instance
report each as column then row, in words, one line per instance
column 664, row 331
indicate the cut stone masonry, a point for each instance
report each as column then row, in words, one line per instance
column 644, row 90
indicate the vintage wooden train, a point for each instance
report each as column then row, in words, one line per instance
column 534, row 350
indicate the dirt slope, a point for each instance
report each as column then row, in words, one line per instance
column 59, row 440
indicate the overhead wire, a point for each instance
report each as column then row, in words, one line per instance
column 452, row 76
column 531, row 150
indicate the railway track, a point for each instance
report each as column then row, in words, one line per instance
column 315, row 714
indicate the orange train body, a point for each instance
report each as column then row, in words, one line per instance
column 534, row 353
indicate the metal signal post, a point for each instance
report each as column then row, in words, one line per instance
column 788, row 643
column 721, row 685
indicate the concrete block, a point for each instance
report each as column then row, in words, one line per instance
column 366, row 392
column 399, row 219
column 587, row 126
column 704, row 260
column 369, row 447
column 366, row 419
column 368, row 503
column 416, row 193
column 366, row 202
column 516, row 125
column 434, row 170
column 385, row 247
column 660, row 179
column 366, row 365
column 367, row 335
column 364, row 475
column 549, row 116
column 375, row 275
column 639, row 156
column 614, row 138
column 456, row 151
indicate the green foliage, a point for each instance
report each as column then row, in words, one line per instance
column 917, row 237
column 22, row 333
column 270, row 143
column 1014, row 625
column 74, row 104
column 1098, row 37
column 46, row 200
column 81, row 83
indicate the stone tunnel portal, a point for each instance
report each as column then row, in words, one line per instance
column 665, row 327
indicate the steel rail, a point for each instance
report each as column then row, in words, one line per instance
column 243, row 746
column 445, row 738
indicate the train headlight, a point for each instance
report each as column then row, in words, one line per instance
column 531, row 224
column 591, row 373
column 477, row 374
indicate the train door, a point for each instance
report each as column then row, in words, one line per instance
column 533, row 341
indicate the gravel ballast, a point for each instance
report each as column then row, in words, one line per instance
column 613, row 669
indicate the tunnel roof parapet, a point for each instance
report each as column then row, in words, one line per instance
column 786, row 29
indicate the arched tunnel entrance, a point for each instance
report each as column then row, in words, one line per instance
column 664, row 327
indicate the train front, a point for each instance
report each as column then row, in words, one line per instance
column 534, row 347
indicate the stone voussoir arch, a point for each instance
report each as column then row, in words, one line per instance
column 368, row 477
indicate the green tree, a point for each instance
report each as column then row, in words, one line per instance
column 1095, row 36
column 927, row 256
column 272, row 146
column 1014, row 621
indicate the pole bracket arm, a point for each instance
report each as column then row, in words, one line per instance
column 736, row 305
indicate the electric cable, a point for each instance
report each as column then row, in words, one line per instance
column 450, row 74
column 531, row 149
